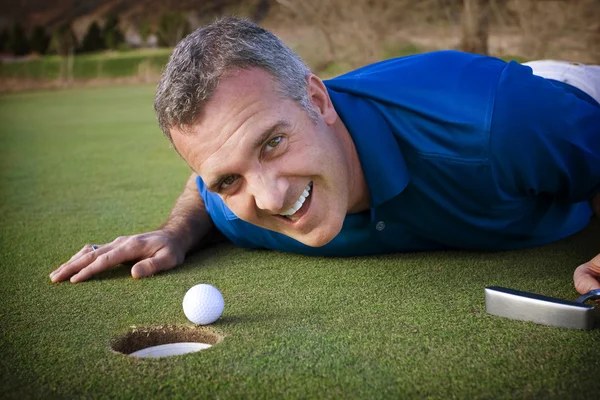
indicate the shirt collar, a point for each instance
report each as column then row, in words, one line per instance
column 379, row 153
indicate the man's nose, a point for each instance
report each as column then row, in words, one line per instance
column 269, row 193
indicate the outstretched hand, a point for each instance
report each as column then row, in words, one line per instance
column 587, row 276
column 151, row 252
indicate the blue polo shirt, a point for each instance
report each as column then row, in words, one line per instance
column 459, row 151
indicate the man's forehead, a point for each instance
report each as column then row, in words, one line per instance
column 210, row 153
column 243, row 145
column 237, row 100
column 244, row 106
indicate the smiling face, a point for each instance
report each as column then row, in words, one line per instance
column 272, row 164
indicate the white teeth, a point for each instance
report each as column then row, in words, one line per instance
column 298, row 202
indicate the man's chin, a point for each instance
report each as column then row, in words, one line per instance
column 319, row 237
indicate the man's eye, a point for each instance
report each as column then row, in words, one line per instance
column 227, row 181
column 271, row 144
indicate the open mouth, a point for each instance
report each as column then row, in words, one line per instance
column 299, row 208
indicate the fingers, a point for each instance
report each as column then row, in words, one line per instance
column 107, row 260
column 81, row 259
column 157, row 251
column 86, row 249
column 161, row 261
column 586, row 276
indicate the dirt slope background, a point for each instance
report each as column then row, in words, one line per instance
column 352, row 32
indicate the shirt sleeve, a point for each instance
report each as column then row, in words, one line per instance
column 544, row 140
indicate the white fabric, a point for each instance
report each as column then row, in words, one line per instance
column 584, row 77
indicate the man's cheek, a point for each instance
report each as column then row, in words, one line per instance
column 238, row 208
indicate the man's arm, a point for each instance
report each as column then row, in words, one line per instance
column 587, row 276
column 546, row 142
column 189, row 221
column 188, row 225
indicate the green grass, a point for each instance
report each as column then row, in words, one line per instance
column 83, row 166
column 89, row 66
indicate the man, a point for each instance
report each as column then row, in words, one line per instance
column 435, row 151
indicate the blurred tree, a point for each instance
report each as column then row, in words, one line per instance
column 18, row 44
column 261, row 10
column 475, row 26
column 547, row 26
column 93, row 40
column 113, row 37
column 64, row 42
column 40, row 40
column 4, row 40
column 145, row 30
column 173, row 27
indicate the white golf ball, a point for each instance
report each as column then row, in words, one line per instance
column 203, row 304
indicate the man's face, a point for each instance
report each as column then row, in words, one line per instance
column 270, row 162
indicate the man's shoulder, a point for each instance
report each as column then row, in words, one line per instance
column 449, row 76
column 437, row 103
column 444, row 62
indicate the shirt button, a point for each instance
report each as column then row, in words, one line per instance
column 380, row 226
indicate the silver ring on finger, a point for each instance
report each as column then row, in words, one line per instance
column 94, row 247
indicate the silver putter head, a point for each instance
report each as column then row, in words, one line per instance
column 524, row 306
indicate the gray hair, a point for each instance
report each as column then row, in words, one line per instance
column 202, row 58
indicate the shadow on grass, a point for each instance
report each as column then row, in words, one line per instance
column 228, row 320
column 548, row 268
column 193, row 260
column 204, row 256
column 121, row 271
column 554, row 260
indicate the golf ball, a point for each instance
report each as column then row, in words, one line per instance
column 203, row 304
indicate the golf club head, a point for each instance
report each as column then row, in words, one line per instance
column 524, row 306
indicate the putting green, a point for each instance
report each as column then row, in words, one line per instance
column 86, row 165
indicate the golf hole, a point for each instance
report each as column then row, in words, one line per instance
column 164, row 341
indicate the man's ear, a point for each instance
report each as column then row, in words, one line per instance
column 320, row 100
